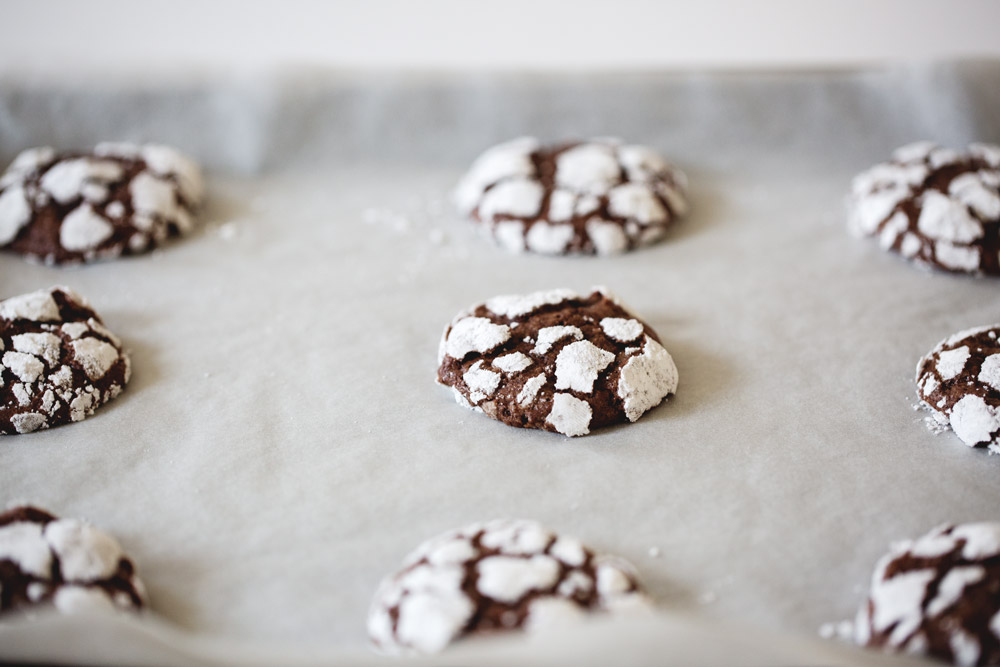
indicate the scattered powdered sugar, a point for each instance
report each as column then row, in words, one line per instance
column 839, row 630
column 388, row 218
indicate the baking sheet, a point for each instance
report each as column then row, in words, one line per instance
column 282, row 445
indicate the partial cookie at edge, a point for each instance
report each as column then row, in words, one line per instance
column 58, row 362
column 64, row 563
column 493, row 577
column 936, row 596
column 959, row 383
column 937, row 207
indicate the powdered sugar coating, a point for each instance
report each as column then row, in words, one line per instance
column 515, row 362
column 646, row 378
column 58, row 363
column 937, row 207
column 495, row 576
column 592, row 197
column 569, row 415
column 514, row 305
column 936, row 596
column 66, row 563
column 578, row 365
column 622, row 329
column 567, row 363
column 475, row 334
column 959, row 383
column 66, row 208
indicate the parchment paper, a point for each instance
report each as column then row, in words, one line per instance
column 282, row 444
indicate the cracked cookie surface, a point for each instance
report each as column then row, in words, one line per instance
column 959, row 383
column 58, row 362
column 937, row 207
column 592, row 197
column 66, row 563
column 555, row 360
column 495, row 576
column 938, row 596
column 72, row 207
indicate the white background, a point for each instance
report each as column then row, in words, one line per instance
column 53, row 35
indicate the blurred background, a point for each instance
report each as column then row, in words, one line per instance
column 66, row 35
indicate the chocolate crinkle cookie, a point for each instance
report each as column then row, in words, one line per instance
column 496, row 576
column 938, row 596
column 556, row 361
column 71, row 207
column 65, row 563
column 58, row 362
column 959, row 383
column 936, row 207
column 593, row 197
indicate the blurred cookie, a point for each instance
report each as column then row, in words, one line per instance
column 556, row 361
column 66, row 563
column 491, row 577
column 67, row 208
column 934, row 206
column 593, row 197
column 58, row 362
column 959, row 382
column 938, row 596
